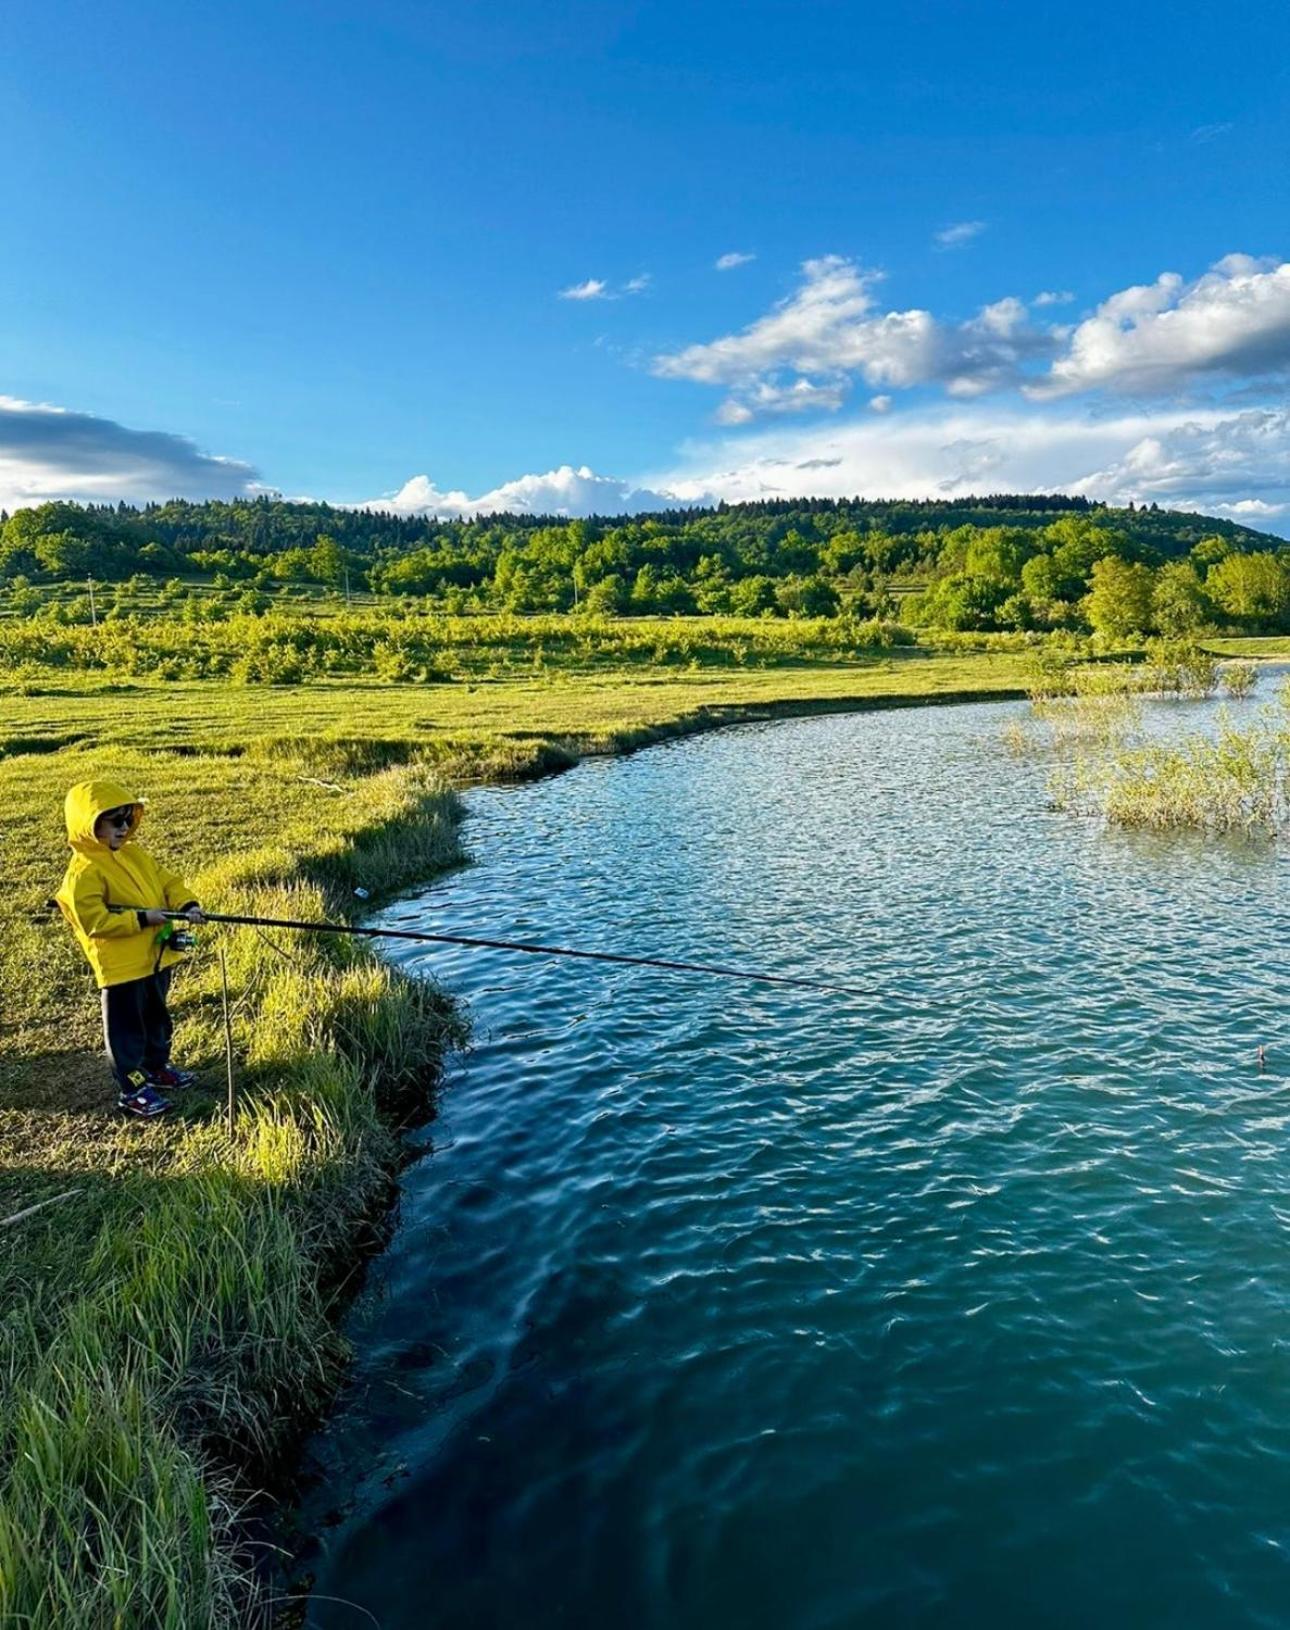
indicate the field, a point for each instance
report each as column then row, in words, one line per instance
column 169, row 1327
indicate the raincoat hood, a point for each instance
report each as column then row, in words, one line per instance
column 85, row 802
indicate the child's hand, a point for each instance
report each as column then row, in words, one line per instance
column 195, row 914
column 154, row 919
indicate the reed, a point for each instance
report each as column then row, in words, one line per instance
column 1235, row 780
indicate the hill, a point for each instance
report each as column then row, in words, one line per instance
column 1002, row 560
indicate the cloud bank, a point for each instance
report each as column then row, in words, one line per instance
column 1157, row 337
column 830, row 331
column 565, row 491
column 1234, row 463
column 1096, row 407
column 1225, row 462
column 51, row 452
column 1231, row 324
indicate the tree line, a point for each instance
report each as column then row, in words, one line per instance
column 1001, row 562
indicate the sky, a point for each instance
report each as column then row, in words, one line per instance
column 591, row 257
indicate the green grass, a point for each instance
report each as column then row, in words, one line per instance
column 167, row 1330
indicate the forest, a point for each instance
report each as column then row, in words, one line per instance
column 996, row 563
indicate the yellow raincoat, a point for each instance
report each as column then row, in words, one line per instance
column 98, row 878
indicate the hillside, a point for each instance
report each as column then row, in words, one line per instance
column 1000, row 561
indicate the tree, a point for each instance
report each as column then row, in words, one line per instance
column 999, row 552
column 1254, row 588
column 812, row 596
column 608, row 596
column 327, row 561
column 1179, row 603
column 645, row 589
column 18, row 539
column 753, row 596
column 1209, row 551
column 63, row 554
column 1119, row 602
column 963, row 602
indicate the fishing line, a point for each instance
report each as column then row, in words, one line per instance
column 527, row 948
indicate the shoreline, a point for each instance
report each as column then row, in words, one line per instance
column 338, row 1055
column 382, row 1222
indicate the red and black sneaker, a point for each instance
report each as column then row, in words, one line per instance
column 171, row 1079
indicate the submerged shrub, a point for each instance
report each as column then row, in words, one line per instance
column 1238, row 679
column 1233, row 781
column 1183, row 667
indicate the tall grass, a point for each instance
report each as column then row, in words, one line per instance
column 1231, row 779
column 142, row 1376
column 1236, row 780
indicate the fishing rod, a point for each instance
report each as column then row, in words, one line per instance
column 475, row 943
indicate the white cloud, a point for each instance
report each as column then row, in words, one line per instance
column 1253, row 510
column 565, row 491
column 952, row 237
column 727, row 263
column 809, row 330
column 50, row 452
column 880, row 404
column 595, row 288
column 1233, row 321
column 830, row 327
column 1220, row 461
column 801, row 396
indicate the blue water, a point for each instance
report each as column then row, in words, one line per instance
column 962, row 1301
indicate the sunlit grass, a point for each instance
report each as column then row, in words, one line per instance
column 166, row 1329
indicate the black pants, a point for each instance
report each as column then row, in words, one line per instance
column 137, row 1027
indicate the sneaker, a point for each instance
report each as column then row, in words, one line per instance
column 143, row 1102
column 171, row 1079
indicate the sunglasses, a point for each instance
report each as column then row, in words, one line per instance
column 118, row 817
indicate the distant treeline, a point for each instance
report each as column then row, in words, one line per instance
column 1005, row 561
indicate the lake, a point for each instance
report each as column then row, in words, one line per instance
column 962, row 1299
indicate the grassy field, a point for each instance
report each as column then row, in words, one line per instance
column 169, row 1327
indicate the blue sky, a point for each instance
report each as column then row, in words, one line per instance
column 337, row 250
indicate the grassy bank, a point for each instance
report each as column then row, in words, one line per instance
column 168, row 1327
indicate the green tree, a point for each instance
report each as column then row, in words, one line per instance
column 1254, row 588
column 812, row 596
column 608, row 596
column 1179, row 603
column 753, row 596
column 63, row 554
column 1209, row 551
column 963, row 602
column 327, row 561
column 1119, row 602
column 645, row 589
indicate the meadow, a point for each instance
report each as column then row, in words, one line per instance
column 170, row 1327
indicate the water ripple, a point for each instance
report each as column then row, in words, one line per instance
column 961, row 1301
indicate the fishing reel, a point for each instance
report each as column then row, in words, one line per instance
column 174, row 936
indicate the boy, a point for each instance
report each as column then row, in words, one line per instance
column 114, row 894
